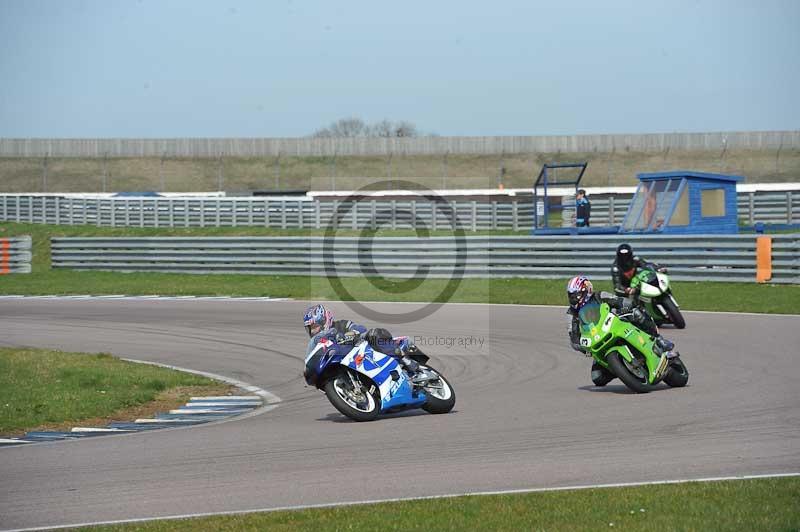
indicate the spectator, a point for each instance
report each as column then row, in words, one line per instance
column 583, row 209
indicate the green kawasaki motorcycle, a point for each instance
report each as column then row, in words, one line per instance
column 626, row 351
column 656, row 295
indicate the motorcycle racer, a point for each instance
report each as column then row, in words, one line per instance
column 579, row 293
column 625, row 266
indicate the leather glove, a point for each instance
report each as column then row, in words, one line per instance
column 350, row 337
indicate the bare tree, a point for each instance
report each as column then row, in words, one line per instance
column 405, row 129
column 355, row 127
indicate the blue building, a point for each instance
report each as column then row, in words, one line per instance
column 683, row 202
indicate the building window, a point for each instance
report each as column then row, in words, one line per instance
column 712, row 202
column 680, row 216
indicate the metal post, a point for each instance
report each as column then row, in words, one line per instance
column 474, row 215
column 611, row 209
column 751, row 208
column 283, row 214
column 789, row 206
column 514, row 219
column 413, row 214
column 494, row 215
column 394, row 214
column 318, row 215
column 217, row 205
column 374, row 208
column 300, row 214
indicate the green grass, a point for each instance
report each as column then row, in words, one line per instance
column 43, row 388
column 183, row 174
column 750, row 297
column 760, row 504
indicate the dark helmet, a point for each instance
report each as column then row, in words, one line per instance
column 624, row 257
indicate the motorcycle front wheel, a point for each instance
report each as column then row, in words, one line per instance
column 673, row 312
column 354, row 395
column 677, row 375
column 441, row 397
column 632, row 376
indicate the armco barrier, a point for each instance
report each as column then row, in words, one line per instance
column 766, row 207
column 15, row 255
column 695, row 257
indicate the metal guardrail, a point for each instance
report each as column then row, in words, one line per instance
column 263, row 212
column 689, row 257
column 765, row 207
column 15, row 255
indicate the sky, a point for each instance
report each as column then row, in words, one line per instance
column 285, row 68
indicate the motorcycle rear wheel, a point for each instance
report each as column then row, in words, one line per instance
column 637, row 383
column 362, row 404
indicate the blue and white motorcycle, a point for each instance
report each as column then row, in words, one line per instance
column 363, row 383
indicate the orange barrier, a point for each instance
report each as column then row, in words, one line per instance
column 5, row 256
column 763, row 259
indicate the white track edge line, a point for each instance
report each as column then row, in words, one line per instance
column 425, row 498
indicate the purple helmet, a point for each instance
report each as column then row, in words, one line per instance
column 579, row 291
column 317, row 319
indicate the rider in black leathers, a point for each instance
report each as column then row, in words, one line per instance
column 625, row 266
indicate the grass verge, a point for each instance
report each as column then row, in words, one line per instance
column 712, row 296
column 53, row 390
column 758, row 504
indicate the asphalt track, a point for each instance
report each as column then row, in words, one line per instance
column 526, row 413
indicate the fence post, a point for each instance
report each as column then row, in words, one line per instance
column 71, row 210
column 514, row 221
column 789, row 207
column 300, row 214
column 494, row 214
column 202, row 213
column 611, row 211
column 5, row 208
column 751, row 208
column 354, row 216
column 266, row 213
column 374, row 210
column 186, row 216
column 433, row 215
column 283, row 214
column 474, row 216
column 249, row 213
column 335, row 215
column 413, row 214
column 394, row 214
column 318, row 214
column 141, row 212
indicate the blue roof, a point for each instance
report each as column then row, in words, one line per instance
column 690, row 173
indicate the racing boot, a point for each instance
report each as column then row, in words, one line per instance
column 664, row 346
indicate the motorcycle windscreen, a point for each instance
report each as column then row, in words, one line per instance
column 589, row 314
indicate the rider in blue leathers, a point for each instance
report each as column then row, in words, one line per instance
column 345, row 332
